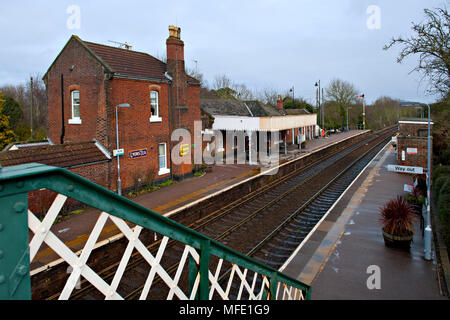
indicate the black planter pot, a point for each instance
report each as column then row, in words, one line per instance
column 393, row 241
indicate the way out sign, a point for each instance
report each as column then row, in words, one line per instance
column 405, row 169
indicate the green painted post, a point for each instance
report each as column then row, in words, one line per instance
column 273, row 286
column 15, row 281
column 193, row 271
column 204, row 270
column 308, row 294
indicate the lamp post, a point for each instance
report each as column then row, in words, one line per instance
column 119, row 182
column 364, row 111
column 322, row 116
column 427, row 233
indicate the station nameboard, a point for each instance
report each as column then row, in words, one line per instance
column 118, row 152
column 138, row 153
column 405, row 169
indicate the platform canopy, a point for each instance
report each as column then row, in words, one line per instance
column 275, row 123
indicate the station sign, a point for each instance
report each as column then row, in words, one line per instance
column 405, row 169
column 118, row 152
column 184, row 149
column 138, row 153
column 408, row 187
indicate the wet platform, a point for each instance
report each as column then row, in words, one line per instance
column 345, row 256
column 169, row 200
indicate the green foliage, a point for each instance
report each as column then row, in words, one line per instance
column 6, row 134
column 225, row 93
column 297, row 104
column 22, row 132
column 12, row 109
column 441, row 197
column 167, row 183
column 199, row 173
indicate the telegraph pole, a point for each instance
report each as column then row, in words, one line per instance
column 31, row 107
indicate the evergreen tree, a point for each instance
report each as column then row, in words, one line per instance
column 6, row 134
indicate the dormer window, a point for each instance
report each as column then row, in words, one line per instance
column 154, row 107
column 75, row 99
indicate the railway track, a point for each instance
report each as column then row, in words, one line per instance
column 252, row 224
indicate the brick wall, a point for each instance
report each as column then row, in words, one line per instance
column 87, row 76
column 414, row 129
column 411, row 159
column 39, row 201
column 136, row 132
column 99, row 94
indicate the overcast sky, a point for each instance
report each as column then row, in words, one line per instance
column 264, row 43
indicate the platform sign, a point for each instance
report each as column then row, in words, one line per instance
column 405, row 169
column 411, row 150
column 184, row 149
column 118, row 152
column 138, row 153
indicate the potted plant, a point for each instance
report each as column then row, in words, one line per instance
column 398, row 226
column 416, row 199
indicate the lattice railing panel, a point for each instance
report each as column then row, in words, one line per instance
column 177, row 264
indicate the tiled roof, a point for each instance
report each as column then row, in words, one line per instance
column 128, row 62
column 65, row 156
column 237, row 108
column 131, row 63
column 125, row 62
column 296, row 111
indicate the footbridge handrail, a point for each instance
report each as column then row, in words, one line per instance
column 16, row 249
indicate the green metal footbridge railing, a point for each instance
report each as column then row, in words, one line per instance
column 22, row 235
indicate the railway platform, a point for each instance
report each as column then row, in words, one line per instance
column 168, row 200
column 344, row 257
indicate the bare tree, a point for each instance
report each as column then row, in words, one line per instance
column 268, row 96
column 242, row 92
column 431, row 42
column 221, row 82
column 197, row 75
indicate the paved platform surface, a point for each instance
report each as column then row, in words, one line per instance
column 346, row 251
column 75, row 231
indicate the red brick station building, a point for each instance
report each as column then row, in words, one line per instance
column 94, row 90
column 86, row 84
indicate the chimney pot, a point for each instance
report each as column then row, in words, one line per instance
column 279, row 103
column 174, row 32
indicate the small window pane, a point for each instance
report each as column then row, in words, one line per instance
column 154, row 103
column 162, row 155
column 75, row 104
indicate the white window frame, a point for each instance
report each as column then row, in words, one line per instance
column 155, row 118
column 75, row 120
column 163, row 170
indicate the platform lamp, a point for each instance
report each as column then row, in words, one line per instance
column 427, row 233
column 364, row 110
column 119, row 182
column 322, row 118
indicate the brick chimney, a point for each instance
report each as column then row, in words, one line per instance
column 279, row 103
column 175, row 66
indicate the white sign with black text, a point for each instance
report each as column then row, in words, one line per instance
column 405, row 169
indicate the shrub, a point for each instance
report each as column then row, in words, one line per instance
column 167, row 183
column 397, row 217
